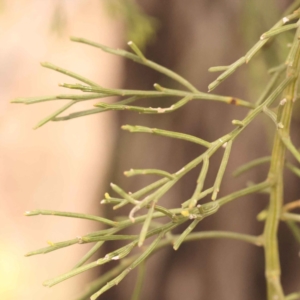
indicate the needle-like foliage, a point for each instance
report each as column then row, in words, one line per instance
column 158, row 222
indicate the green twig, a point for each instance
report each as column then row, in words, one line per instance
column 146, row 225
column 134, row 172
column 139, row 282
column 293, row 168
column 200, row 182
column 171, row 134
column 221, row 170
column 70, row 215
column 120, row 277
column 248, row 166
column 55, row 114
column 294, row 229
column 137, row 59
column 69, row 73
column 89, row 254
column 291, row 217
column 293, row 296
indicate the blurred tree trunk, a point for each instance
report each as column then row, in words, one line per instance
column 193, row 36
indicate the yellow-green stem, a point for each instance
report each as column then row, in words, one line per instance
column 274, row 288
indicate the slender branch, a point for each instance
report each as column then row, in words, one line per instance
column 120, row 277
column 139, row 282
column 291, row 205
column 89, row 254
column 71, row 215
column 69, row 73
column 200, row 182
column 171, row 134
column 185, row 233
column 221, row 170
column 246, row 191
column 292, row 168
column 245, row 59
column 146, row 225
column 134, row 172
column 291, row 217
column 279, row 30
column 289, row 145
column 248, row 166
column 294, row 296
column 55, row 114
column 139, row 60
column 294, row 229
column 255, row 240
column 273, row 270
column 94, row 286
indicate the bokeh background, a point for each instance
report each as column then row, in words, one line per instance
column 68, row 165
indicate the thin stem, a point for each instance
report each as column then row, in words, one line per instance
column 69, row 73
column 221, row 170
column 289, row 145
column 55, row 114
column 161, row 92
column 89, row 254
column 137, row 59
column 279, row 30
column 249, row 55
column 273, row 269
column 138, row 261
column 96, row 284
column 199, row 197
column 139, row 282
column 134, row 172
column 257, row 241
column 291, row 205
column 146, row 225
column 246, row 191
column 145, row 110
column 292, row 168
column 137, row 51
column 200, row 182
column 70, row 215
column 171, row 134
column 123, row 194
column 186, row 232
column 94, row 110
column 294, row 296
column 248, row 166
column 294, row 229
column 291, row 217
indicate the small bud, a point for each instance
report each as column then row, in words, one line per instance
column 285, row 20
column 185, row 213
column 283, row 101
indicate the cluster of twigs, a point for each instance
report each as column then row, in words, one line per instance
column 283, row 81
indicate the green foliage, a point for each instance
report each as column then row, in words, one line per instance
column 140, row 27
column 276, row 102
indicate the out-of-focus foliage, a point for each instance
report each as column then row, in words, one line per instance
column 140, row 27
column 59, row 20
